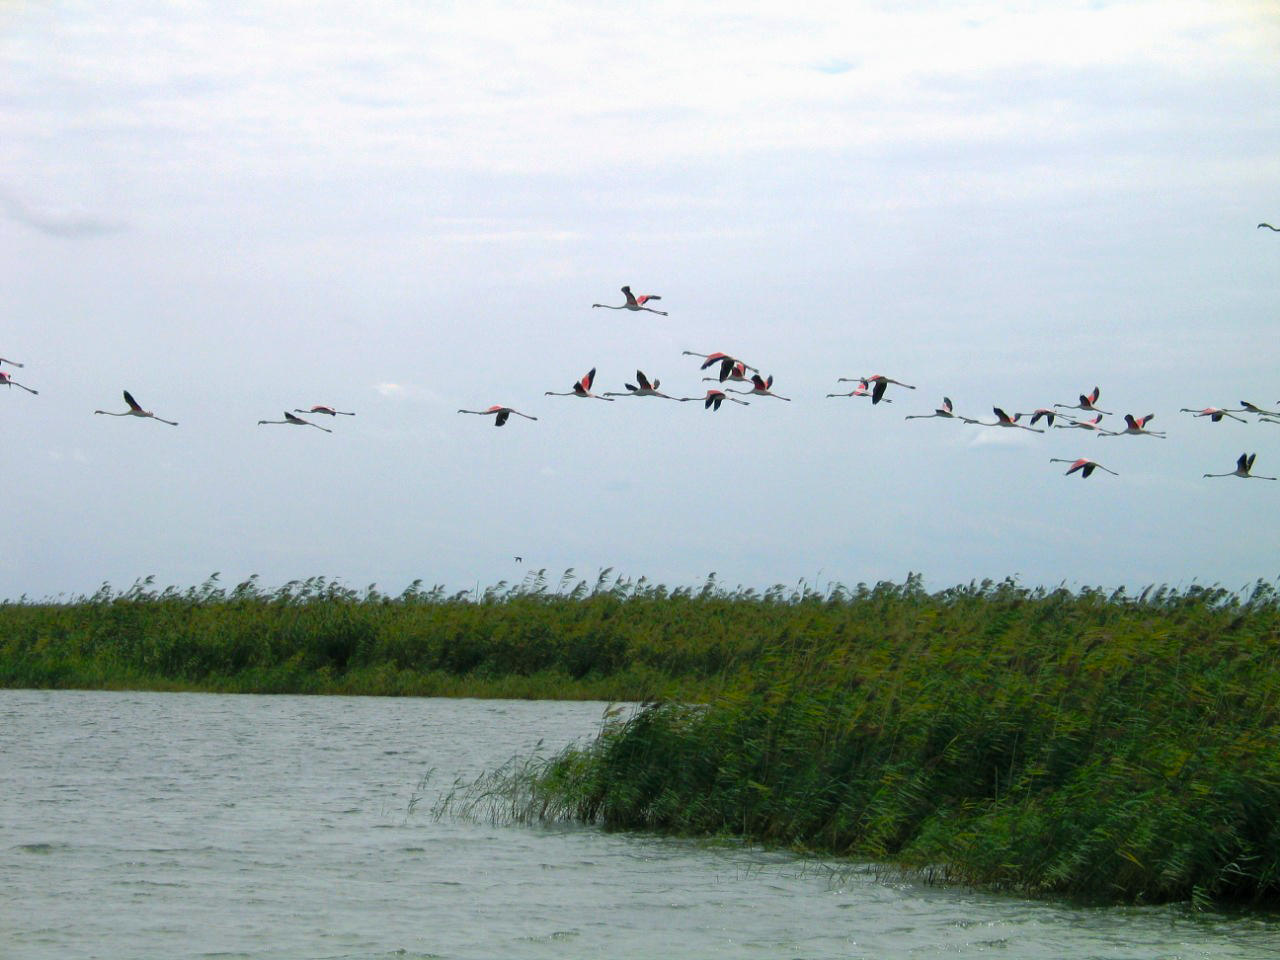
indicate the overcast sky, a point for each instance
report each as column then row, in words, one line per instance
column 402, row 209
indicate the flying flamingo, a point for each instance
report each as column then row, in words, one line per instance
column 1136, row 427
column 861, row 390
column 714, row 398
column 760, row 388
column 12, row 363
column 1214, row 413
column 1004, row 420
column 293, row 421
column 582, row 388
column 881, row 384
column 1269, row 227
column 1085, row 467
column 8, row 381
column 500, row 414
column 944, row 411
column 328, row 411
column 727, row 363
column 1040, row 412
column 1254, row 408
column 737, row 372
column 634, row 302
column 1084, row 424
column 645, row 389
column 1243, row 466
column 1087, row 403
column 135, row 410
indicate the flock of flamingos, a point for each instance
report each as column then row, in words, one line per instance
column 872, row 387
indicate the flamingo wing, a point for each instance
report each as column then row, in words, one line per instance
column 946, row 404
column 642, row 379
column 1001, row 415
column 133, row 404
column 502, row 417
column 878, row 392
column 713, row 358
column 631, row 297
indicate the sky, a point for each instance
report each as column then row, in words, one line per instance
column 404, row 209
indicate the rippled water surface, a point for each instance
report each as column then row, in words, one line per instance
column 189, row 825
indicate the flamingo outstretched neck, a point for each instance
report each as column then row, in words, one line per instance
column 135, row 410
column 293, row 421
column 634, row 302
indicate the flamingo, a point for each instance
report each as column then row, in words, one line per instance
column 645, row 389
column 1136, row 427
column 881, row 384
column 1254, row 408
column 1040, row 412
column 1004, row 420
column 1084, row 425
column 1087, row 403
column 1085, row 467
column 1269, row 227
column 760, row 388
column 727, row 363
column 714, row 398
column 499, row 413
column 135, row 410
column 12, row 363
column 293, row 421
column 860, row 390
column 634, row 302
column 1214, row 413
column 736, row 372
column 1243, row 466
column 582, row 388
column 328, row 411
column 8, row 381
column 944, row 411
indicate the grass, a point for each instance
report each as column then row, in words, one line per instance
column 1087, row 744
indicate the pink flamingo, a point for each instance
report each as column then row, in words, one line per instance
column 8, row 381
column 582, row 388
column 861, row 390
column 1213, row 413
column 728, row 364
column 714, row 398
column 1087, row 403
column 293, row 421
column 1085, row 467
column 760, row 388
column 634, row 302
column 499, row 413
column 881, row 384
column 1243, row 466
column 135, row 410
column 1004, row 420
column 1084, row 424
column 737, row 373
column 1136, row 427
column 1038, row 414
column 646, row 389
column 327, row 411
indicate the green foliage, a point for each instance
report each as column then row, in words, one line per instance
column 1090, row 744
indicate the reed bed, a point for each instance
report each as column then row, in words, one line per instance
column 1083, row 743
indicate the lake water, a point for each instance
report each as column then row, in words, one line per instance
column 147, row 825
